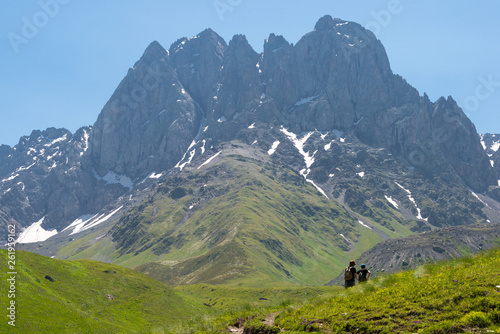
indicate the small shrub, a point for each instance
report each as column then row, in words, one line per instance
column 444, row 327
column 254, row 326
column 476, row 319
column 495, row 317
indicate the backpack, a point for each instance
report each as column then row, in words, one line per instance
column 348, row 274
column 362, row 275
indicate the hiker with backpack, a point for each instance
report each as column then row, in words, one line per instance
column 363, row 274
column 350, row 275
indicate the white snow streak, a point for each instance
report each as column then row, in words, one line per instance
column 344, row 238
column 203, row 147
column 364, row 225
column 476, row 196
column 86, row 138
column 393, row 202
column 20, row 169
column 209, row 159
column 35, row 233
column 410, row 197
column 273, row 148
column 10, row 178
column 63, row 138
column 308, row 159
column 299, row 144
column 88, row 221
column 191, row 156
column 316, row 186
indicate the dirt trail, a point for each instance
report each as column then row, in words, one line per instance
column 269, row 321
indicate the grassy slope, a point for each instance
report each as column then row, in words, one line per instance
column 77, row 299
column 461, row 295
column 266, row 225
column 440, row 298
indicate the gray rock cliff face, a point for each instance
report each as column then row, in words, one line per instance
column 43, row 178
column 148, row 122
column 336, row 77
column 174, row 105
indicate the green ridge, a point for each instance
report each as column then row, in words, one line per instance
column 89, row 297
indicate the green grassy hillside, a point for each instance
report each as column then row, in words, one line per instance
column 58, row 296
column 456, row 296
column 249, row 219
column 449, row 297
column 251, row 222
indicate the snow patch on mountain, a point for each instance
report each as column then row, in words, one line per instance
column 86, row 137
column 35, row 233
column 10, row 178
column 88, row 221
column 495, row 146
column 490, row 145
column 113, row 178
column 273, row 147
column 299, row 144
column 364, row 225
column 23, row 168
column 58, row 140
column 344, row 238
column 393, row 202
column 477, row 196
column 315, row 186
column 191, row 156
column 209, row 159
column 410, row 197
column 308, row 159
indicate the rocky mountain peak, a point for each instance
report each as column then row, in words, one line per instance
column 326, row 23
column 274, row 43
column 154, row 50
column 329, row 108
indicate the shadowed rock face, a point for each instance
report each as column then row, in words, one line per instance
column 148, row 122
column 172, row 106
column 336, row 77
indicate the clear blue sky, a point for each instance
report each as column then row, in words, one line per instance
column 62, row 59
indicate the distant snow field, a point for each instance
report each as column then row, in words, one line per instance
column 35, row 233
